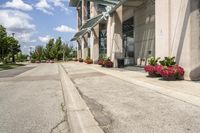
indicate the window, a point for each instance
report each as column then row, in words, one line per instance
column 88, row 10
column 102, row 40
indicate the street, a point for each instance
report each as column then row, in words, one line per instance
column 31, row 100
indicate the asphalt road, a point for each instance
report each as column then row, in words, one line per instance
column 31, row 100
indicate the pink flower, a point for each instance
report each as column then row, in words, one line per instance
column 150, row 68
column 175, row 70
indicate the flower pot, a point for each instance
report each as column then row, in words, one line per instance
column 170, row 78
column 153, row 74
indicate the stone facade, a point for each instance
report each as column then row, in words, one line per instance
column 161, row 28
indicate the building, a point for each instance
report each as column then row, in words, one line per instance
column 138, row 29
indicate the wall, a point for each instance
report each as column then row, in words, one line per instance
column 79, row 52
column 144, row 18
column 195, row 40
column 114, row 36
column 95, row 45
column 94, row 52
column 178, row 33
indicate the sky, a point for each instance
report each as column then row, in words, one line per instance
column 34, row 22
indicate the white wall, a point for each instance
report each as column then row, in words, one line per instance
column 178, row 33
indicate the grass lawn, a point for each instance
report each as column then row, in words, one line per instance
column 9, row 66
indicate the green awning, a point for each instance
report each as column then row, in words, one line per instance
column 92, row 21
column 79, row 34
column 74, row 3
column 112, row 5
column 106, row 2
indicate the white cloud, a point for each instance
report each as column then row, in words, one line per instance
column 19, row 23
column 61, row 4
column 45, row 39
column 18, row 4
column 64, row 28
column 44, row 6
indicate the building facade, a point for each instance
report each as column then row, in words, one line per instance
column 138, row 29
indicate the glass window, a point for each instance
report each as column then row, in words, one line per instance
column 102, row 40
column 88, row 9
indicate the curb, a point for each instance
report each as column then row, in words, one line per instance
column 79, row 116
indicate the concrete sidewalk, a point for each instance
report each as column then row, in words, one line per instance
column 187, row 91
column 121, row 103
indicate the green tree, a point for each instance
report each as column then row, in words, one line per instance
column 3, row 48
column 39, row 53
column 57, row 49
column 13, row 46
column 20, row 57
column 49, row 49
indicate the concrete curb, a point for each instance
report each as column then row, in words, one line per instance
column 191, row 99
column 80, row 118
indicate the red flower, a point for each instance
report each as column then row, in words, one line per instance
column 175, row 71
column 100, row 62
column 150, row 68
column 158, row 68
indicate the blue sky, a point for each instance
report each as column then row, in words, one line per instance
column 34, row 22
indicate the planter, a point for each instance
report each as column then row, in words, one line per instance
column 100, row 62
column 170, row 78
column 153, row 74
column 120, row 63
column 89, row 62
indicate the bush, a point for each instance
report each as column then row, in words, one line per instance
column 33, row 61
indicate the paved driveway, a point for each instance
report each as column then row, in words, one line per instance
column 31, row 99
column 122, row 107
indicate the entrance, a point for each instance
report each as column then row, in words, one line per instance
column 128, row 42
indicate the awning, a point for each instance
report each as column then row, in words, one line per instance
column 106, row 2
column 112, row 5
column 79, row 34
column 74, row 3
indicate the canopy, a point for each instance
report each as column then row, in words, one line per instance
column 74, row 3
column 112, row 5
column 79, row 34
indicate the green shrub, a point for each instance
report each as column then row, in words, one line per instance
column 168, row 61
column 153, row 61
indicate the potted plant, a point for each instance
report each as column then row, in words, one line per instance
column 152, row 67
column 172, row 73
column 88, row 60
column 168, row 61
column 80, row 60
column 100, row 61
column 107, row 63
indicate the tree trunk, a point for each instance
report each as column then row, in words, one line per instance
column 13, row 58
